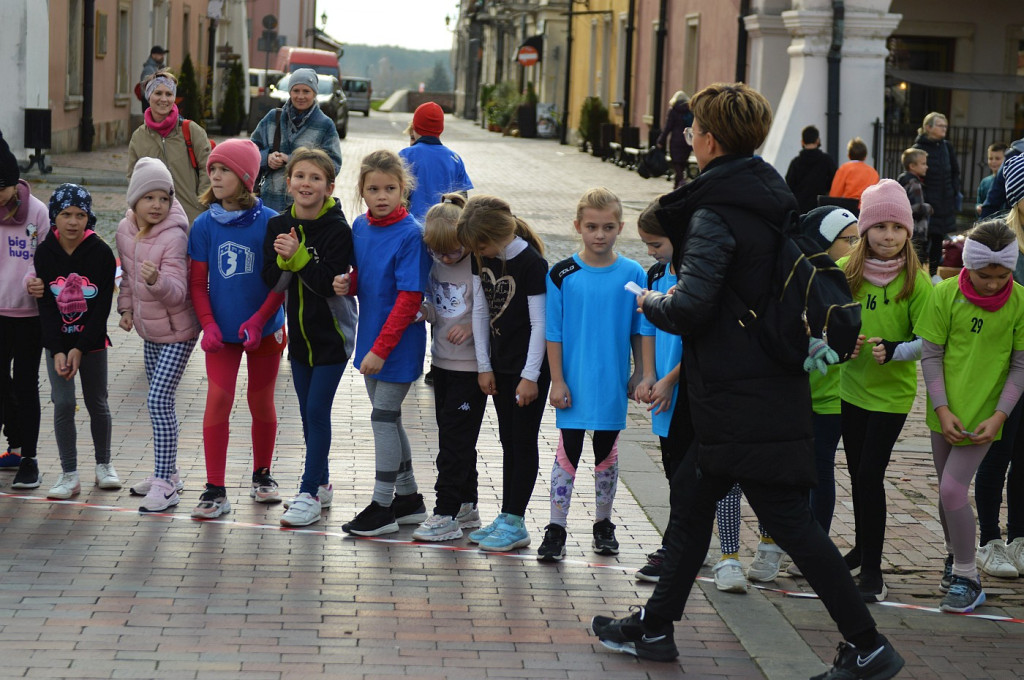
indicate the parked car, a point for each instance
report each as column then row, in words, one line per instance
column 358, row 91
column 329, row 96
column 259, row 79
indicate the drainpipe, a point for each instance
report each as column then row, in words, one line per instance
column 741, row 43
column 86, row 131
column 568, row 76
column 627, row 81
column 659, row 65
column 835, row 56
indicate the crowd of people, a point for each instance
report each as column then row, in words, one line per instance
column 253, row 255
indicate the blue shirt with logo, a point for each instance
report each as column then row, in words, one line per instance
column 234, row 253
column 668, row 352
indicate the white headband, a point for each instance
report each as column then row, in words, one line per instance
column 978, row 255
column 160, row 80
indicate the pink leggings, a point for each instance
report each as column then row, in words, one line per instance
column 956, row 467
column 222, row 371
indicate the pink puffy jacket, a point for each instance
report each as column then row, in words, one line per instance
column 162, row 312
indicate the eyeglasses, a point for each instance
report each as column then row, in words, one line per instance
column 688, row 135
column 453, row 255
column 851, row 240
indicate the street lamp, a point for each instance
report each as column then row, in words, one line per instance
column 323, row 20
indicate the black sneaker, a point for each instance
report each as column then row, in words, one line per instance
column 627, row 635
column 409, row 509
column 604, row 538
column 373, row 521
column 963, row 596
column 852, row 560
column 264, row 487
column 651, row 572
column 428, row 377
column 872, row 587
column 552, row 548
column 881, row 664
column 947, row 575
column 27, row 476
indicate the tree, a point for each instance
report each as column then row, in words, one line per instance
column 231, row 112
column 191, row 106
column 439, row 81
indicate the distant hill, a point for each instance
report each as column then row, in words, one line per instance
column 394, row 68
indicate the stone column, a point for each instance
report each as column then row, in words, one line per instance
column 862, row 75
column 25, row 54
column 769, row 63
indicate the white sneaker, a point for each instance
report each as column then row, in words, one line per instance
column 67, row 486
column 324, row 493
column 1015, row 551
column 729, row 576
column 438, row 528
column 992, row 559
column 162, row 495
column 106, row 476
column 468, row 517
column 765, row 566
column 302, row 511
column 142, row 488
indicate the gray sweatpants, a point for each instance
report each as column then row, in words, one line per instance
column 92, row 371
column 391, row 445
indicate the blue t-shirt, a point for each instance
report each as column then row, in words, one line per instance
column 594, row 318
column 438, row 170
column 668, row 352
column 234, row 253
column 390, row 259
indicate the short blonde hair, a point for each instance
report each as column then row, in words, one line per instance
column 911, row 156
column 599, row 198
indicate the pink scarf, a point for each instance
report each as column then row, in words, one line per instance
column 990, row 303
column 883, row 272
column 164, row 127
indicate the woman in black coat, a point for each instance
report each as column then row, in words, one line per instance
column 679, row 118
column 941, row 183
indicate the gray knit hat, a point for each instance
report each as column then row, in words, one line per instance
column 304, row 76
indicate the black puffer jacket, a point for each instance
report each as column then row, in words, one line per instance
column 941, row 183
column 752, row 416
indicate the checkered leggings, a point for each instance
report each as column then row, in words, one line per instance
column 165, row 364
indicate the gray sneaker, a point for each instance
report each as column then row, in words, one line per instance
column 438, row 528
column 468, row 517
column 963, row 596
column 106, row 476
column 765, row 566
column 729, row 577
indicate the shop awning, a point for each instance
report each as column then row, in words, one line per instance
column 977, row 82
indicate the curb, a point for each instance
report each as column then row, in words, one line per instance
column 766, row 635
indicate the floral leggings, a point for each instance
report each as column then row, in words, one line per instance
column 563, row 472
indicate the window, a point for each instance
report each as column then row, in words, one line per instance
column 653, row 69
column 606, row 60
column 123, row 84
column 691, row 50
column 76, row 23
column 186, row 32
column 620, row 68
column 161, row 10
column 592, row 83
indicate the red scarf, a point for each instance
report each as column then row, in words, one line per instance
column 990, row 303
column 396, row 215
column 164, row 127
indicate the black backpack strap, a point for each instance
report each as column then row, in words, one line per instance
column 744, row 313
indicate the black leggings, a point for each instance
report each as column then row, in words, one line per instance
column 1008, row 452
column 603, row 440
column 21, row 345
column 868, row 438
column 518, row 428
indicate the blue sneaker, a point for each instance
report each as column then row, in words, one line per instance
column 481, row 534
column 510, row 534
column 9, row 460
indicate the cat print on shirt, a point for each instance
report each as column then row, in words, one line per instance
column 449, row 299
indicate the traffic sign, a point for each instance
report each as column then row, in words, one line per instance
column 528, row 55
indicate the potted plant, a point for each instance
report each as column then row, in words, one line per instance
column 593, row 115
column 486, row 97
column 502, row 107
column 526, row 114
column 231, row 113
column 190, row 105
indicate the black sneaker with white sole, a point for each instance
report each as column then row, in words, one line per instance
column 374, row 520
column 651, row 572
column 872, row 587
column 552, row 548
column 627, row 635
column 851, row 663
column 947, row 574
column 604, row 538
column 27, row 476
column 409, row 509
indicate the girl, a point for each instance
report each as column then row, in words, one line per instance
column 877, row 388
column 24, row 223
column 996, row 558
column 458, row 402
column 509, row 289
column 664, row 388
column 77, row 271
column 239, row 313
column 973, row 364
column 181, row 144
column 393, row 267
column 585, row 300
column 304, row 250
column 152, row 240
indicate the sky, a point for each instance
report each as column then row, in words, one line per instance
column 415, row 24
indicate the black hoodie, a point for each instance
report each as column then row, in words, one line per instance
column 321, row 325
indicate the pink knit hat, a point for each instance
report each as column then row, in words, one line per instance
column 241, row 156
column 149, row 174
column 885, row 202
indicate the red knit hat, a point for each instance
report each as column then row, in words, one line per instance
column 885, row 202
column 428, row 120
column 241, row 156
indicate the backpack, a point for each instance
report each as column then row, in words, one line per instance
column 264, row 171
column 809, row 298
column 652, row 163
column 186, row 132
